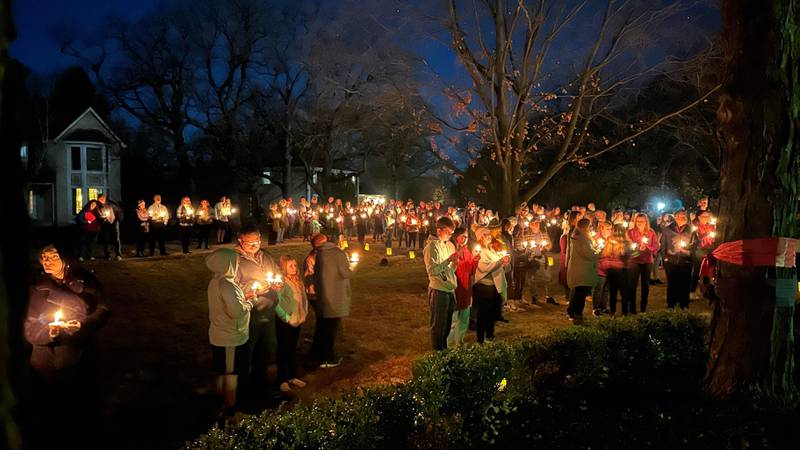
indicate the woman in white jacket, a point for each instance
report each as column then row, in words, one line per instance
column 489, row 288
column 229, row 313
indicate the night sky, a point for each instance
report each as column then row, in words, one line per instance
column 35, row 18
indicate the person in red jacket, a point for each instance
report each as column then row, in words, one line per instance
column 91, row 223
column 465, row 272
column 644, row 244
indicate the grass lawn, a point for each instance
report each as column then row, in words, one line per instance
column 156, row 359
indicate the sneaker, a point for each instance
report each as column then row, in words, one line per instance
column 551, row 300
column 330, row 364
column 118, row 258
column 297, row 382
column 285, row 388
column 92, row 258
column 597, row 313
column 80, row 258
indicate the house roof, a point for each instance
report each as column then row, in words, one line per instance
column 73, row 133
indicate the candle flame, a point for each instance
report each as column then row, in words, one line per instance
column 58, row 316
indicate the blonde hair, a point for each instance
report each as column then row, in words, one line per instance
column 646, row 221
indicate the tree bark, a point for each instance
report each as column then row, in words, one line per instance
column 13, row 254
column 752, row 337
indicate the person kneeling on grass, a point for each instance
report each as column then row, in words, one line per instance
column 292, row 309
column 229, row 313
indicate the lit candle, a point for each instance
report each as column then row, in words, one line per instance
column 256, row 286
column 625, row 224
column 503, row 253
column 426, row 223
column 524, row 244
column 713, row 221
column 712, row 235
column 532, row 244
column 270, row 277
column 189, row 211
column 645, row 240
column 633, row 246
column 233, row 210
column 601, row 242
column 477, row 249
column 683, row 244
column 413, row 221
column 354, row 258
column 554, row 221
column 694, row 228
column 339, row 219
column 544, row 242
column 57, row 319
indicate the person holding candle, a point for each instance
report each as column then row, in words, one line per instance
column 204, row 223
column 703, row 241
column 253, row 267
column 185, row 215
column 468, row 257
column 581, row 269
column 229, row 309
column 644, row 244
column 90, row 222
column 111, row 215
column 412, row 229
column 159, row 217
column 291, row 309
column 65, row 312
column 332, row 273
column 222, row 216
column 441, row 261
column 535, row 245
column 490, row 288
column 143, row 230
column 613, row 260
column 600, row 290
column 677, row 239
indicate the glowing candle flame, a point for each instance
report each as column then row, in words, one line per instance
column 354, row 258
column 712, row 235
column 477, row 248
column 256, row 286
column 645, row 240
column 58, row 316
column 633, row 246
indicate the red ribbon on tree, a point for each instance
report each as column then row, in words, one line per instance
column 762, row 252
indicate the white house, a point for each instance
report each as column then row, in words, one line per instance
column 78, row 165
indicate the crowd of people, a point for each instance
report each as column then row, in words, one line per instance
column 476, row 261
column 99, row 220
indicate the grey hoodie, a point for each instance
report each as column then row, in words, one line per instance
column 441, row 272
column 228, row 311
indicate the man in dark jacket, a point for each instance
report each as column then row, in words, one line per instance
column 64, row 314
column 332, row 286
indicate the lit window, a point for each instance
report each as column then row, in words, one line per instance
column 77, row 197
column 354, row 178
column 267, row 174
column 31, row 205
column 23, row 153
column 93, row 193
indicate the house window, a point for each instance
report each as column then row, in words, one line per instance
column 23, row 155
column 89, row 173
column 31, row 205
column 267, row 174
column 77, row 200
column 76, row 158
column 94, row 159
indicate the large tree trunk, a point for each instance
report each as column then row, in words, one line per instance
column 13, row 253
column 752, row 338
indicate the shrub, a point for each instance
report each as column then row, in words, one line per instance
column 576, row 387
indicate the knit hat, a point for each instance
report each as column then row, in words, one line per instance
column 318, row 239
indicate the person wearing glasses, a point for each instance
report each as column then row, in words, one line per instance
column 254, row 265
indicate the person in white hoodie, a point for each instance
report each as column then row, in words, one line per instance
column 229, row 313
column 441, row 260
column 489, row 289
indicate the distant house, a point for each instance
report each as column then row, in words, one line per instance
column 301, row 185
column 78, row 165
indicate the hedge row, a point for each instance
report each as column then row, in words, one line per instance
column 624, row 383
